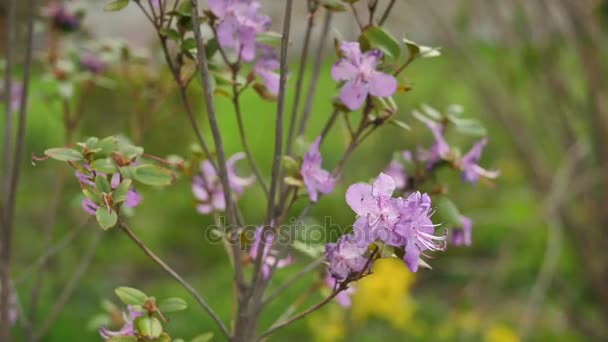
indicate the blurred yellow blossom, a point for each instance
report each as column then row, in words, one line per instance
column 500, row 333
column 385, row 294
column 328, row 326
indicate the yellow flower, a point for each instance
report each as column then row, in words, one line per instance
column 384, row 294
column 500, row 333
column 328, row 326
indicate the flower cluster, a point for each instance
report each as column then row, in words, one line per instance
column 126, row 330
column 270, row 257
column 207, row 187
column 239, row 22
column 316, row 179
column 86, row 177
column 402, row 223
column 358, row 71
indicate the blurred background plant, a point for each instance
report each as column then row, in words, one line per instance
column 534, row 72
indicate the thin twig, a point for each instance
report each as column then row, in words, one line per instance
column 356, row 15
column 9, row 205
column 387, row 12
column 316, row 71
column 304, row 313
column 209, row 104
column 278, row 143
column 300, row 77
column 308, row 268
column 329, row 123
column 177, row 277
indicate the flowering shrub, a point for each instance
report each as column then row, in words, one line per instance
column 403, row 212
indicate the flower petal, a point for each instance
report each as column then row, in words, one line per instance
column 383, row 184
column 353, row 94
column 382, row 85
column 356, row 197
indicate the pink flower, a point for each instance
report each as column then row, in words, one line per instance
column 461, row 235
column 468, row 164
column 346, row 257
column 358, row 70
column 208, row 190
column 315, row 178
column 239, row 23
column 126, row 330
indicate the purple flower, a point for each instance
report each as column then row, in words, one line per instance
column 397, row 173
column 343, row 298
column 358, row 70
column 398, row 222
column 87, row 178
column 62, row 18
column 207, row 188
column 462, row 235
column 315, row 178
column 440, row 148
column 92, row 63
column 377, row 211
column 416, row 226
column 239, row 23
column 269, row 256
column 126, row 330
column 265, row 68
column 345, row 257
column 468, row 164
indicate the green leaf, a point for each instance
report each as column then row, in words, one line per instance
column 116, row 5
column 333, row 6
column 376, row 37
column 164, row 337
column 417, row 50
column 269, row 38
column 91, row 142
column 188, row 44
column 313, row 251
column 448, row 211
column 153, row 175
column 468, row 126
column 101, row 183
column 129, row 150
column 149, row 327
column 106, row 219
column 120, row 193
column 172, row 305
column 64, row 154
column 104, row 165
column 91, row 194
column 169, row 33
column 211, row 48
column 399, row 124
column 123, row 339
column 107, row 146
column 431, row 112
column 206, row 337
column 293, row 182
column 130, row 296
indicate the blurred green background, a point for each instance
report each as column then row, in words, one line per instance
column 536, row 270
